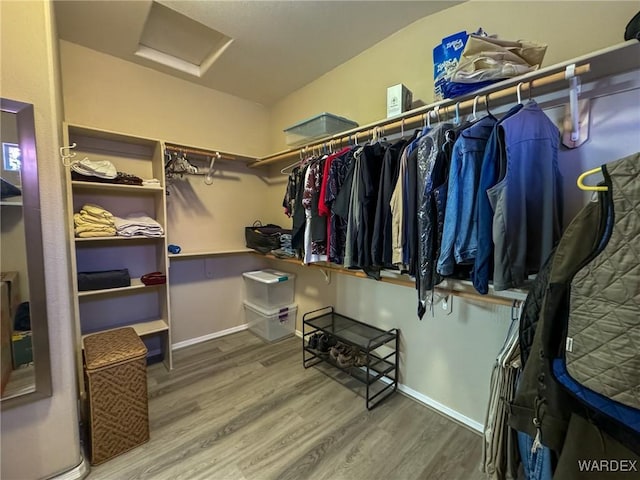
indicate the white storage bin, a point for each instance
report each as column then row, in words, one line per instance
column 269, row 289
column 272, row 324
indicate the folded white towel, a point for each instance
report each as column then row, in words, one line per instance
column 152, row 182
column 95, row 168
column 138, row 224
column 139, row 231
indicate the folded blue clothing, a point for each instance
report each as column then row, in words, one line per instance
column 455, row 89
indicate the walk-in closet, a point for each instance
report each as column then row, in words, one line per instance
column 251, row 240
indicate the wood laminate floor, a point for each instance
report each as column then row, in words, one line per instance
column 237, row 408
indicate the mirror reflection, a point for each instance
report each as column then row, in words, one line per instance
column 24, row 334
column 16, row 351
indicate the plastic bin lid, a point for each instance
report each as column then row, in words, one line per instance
column 269, row 276
column 270, row 312
column 321, row 115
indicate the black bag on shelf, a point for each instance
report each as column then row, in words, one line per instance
column 263, row 238
column 104, row 279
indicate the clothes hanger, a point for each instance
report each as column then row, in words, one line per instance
column 474, row 117
column 486, row 104
column 283, row 171
column 519, row 93
column 591, row 188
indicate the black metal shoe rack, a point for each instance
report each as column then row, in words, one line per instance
column 380, row 372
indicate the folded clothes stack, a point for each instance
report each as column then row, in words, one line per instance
column 138, row 224
column 101, row 171
column 285, row 244
column 94, row 221
column 152, row 182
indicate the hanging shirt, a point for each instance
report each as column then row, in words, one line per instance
column 381, row 243
column 397, row 212
column 314, row 243
column 369, row 179
column 460, row 232
column 429, row 154
column 337, row 229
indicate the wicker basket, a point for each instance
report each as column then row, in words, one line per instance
column 116, row 383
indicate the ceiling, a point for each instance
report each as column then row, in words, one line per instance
column 257, row 50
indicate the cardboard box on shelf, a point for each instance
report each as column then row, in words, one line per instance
column 22, row 348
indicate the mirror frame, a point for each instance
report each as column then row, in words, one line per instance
column 35, row 257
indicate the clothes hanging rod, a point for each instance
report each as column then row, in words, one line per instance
column 417, row 117
column 205, row 153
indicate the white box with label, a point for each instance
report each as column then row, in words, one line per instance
column 399, row 100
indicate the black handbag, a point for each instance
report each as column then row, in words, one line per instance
column 263, row 238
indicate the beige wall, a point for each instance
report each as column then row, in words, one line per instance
column 357, row 88
column 105, row 92
column 41, row 439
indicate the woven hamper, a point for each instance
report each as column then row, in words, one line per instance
column 116, row 382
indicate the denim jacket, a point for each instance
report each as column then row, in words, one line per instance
column 460, row 234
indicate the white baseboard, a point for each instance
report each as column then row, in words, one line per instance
column 449, row 412
column 210, row 336
column 409, row 392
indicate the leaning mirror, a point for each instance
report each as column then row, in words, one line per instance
column 24, row 341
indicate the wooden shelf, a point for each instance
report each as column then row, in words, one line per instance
column 116, row 239
column 212, row 253
column 114, row 187
column 142, row 328
column 9, row 203
column 458, row 288
column 136, row 284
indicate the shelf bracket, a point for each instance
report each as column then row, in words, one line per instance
column 576, row 118
column 327, row 275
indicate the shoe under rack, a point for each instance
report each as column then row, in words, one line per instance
column 347, row 349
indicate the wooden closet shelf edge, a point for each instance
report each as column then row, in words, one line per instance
column 404, row 282
column 416, row 117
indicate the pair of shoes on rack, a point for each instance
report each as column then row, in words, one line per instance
column 321, row 342
column 312, row 343
column 325, row 342
column 347, row 356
